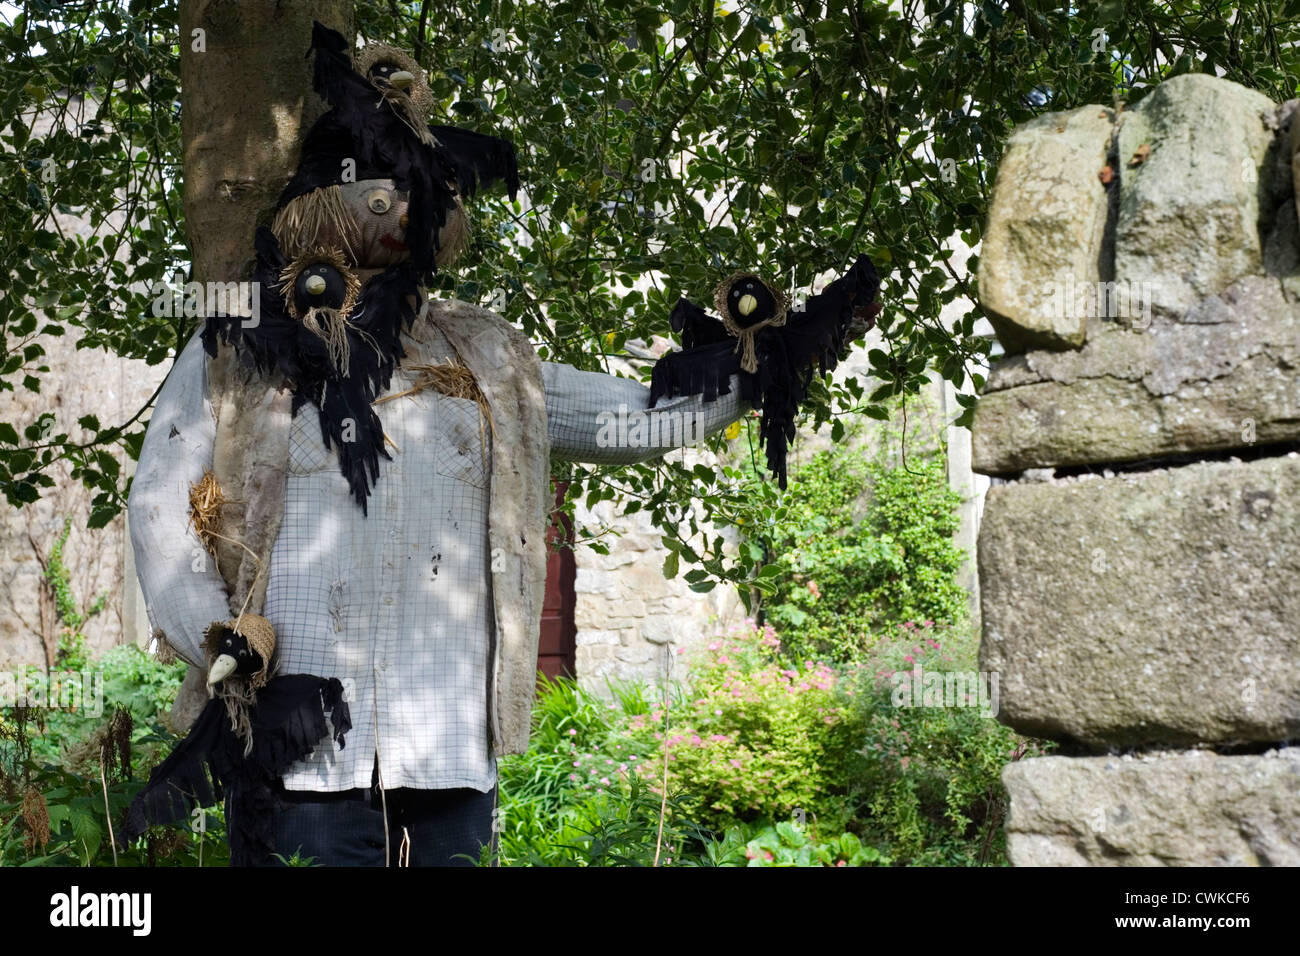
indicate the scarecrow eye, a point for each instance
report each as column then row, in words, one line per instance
column 735, row 293
column 379, row 202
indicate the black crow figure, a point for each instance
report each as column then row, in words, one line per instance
column 788, row 350
column 283, row 341
column 286, row 722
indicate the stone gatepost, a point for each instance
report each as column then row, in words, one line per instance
column 1139, row 560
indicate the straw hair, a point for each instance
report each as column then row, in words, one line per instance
column 316, row 219
column 453, row 238
column 453, row 380
column 206, row 502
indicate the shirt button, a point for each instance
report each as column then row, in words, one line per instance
column 388, row 599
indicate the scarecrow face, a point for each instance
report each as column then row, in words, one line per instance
column 379, row 211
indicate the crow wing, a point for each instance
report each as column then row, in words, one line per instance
column 479, row 160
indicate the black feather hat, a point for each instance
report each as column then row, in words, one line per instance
column 367, row 134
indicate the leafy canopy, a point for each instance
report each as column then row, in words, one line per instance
column 662, row 146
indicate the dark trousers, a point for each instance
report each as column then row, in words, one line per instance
column 425, row 827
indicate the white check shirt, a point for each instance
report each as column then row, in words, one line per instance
column 397, row 604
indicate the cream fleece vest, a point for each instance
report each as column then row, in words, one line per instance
column 250, row 461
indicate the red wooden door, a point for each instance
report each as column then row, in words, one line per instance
column 557, row 649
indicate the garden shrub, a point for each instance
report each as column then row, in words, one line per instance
column 930, row 786
column 759, row 737
column 863, row 546
column 64, row 772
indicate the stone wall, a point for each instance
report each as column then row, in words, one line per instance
column 79, row 382
column 85, row 382
column 1138, row 559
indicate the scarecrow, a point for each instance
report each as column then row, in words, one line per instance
column 340, row 506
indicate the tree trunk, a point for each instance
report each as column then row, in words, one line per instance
column 246, row 101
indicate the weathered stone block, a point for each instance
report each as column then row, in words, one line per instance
column 1224, row 379
column 1151, row 608
column 1174, row 809
column 1190, row 211
column 1045, row 227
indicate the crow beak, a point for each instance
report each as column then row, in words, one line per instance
column 222, row 668
column 746, row 305
column 401, row 79
column 315, row 284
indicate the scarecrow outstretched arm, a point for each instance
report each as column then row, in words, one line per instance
column 606, row 420
column 182, row 588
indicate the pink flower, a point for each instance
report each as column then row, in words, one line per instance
column 812, row 587
column 605, row 780
column 572, row 732
column 841, row 863
column 573, row 777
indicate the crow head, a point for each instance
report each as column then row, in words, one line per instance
column 234, row 657
column 750, row 301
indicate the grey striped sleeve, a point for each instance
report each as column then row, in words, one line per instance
column 603, row 419
column 183, row 591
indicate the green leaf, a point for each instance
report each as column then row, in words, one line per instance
column 86, row 832
column 670, row 565
column 99, row 517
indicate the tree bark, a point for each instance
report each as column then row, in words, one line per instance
column 246, row 101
